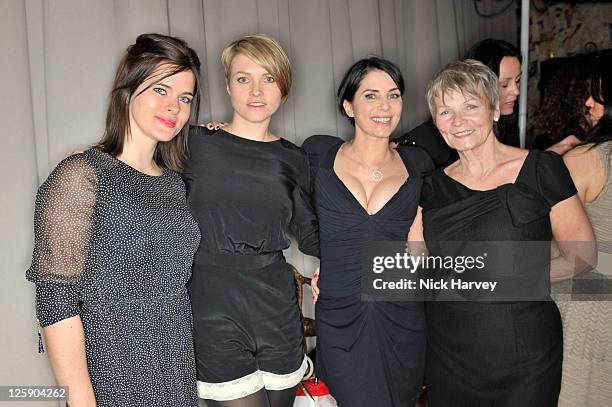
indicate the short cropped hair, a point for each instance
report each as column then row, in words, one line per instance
column 468, row 77
column 490, row 52
column 265, row 52
column 355, row 74
column 141, row 60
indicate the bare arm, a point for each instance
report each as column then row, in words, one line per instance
column 564, row 145
column 66, row 350
column 586, row 170
column 575, row 240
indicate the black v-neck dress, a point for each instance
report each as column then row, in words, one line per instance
column 497, row 353
column 368, row 353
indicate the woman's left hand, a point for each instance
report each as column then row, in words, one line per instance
column 214, row 125
column 564, row 145
column 314, row 286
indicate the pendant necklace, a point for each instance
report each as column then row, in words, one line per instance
column 375, row 173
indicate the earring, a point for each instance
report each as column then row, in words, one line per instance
column 496, row 119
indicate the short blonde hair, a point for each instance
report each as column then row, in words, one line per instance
column 264, row 51
column 468, row 77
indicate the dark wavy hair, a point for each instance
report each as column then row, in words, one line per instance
column 355, row 74
column 139, row 62
column 601, row 91
column 562, row 110
column 490, row 52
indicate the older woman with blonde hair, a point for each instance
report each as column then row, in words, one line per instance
column 248, row 189
column 502, row 352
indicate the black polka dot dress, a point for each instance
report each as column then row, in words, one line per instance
column 115, row 246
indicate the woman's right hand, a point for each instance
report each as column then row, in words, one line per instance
column 214, row 125
column 65, row 342
column 565, row 145
column 314, row 286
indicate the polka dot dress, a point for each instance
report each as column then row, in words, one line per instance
column 115, row 246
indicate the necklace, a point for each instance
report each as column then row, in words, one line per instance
column 375, row 173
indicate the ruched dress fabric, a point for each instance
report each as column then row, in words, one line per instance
column 496, row 354
column 115, row 246
column 587, row 325
column 368, row 353
column 247, row 196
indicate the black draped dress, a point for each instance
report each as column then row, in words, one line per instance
column 247, row 197
column 368, row 353
column 496, row 354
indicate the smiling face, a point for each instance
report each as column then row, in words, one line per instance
column 465, row 121
column 253, row 92
column 509, row 83
column 160, row 107
column 376, row 106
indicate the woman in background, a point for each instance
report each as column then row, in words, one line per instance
column 114, row 242
column 503, row 352
column 369, row 353
column 248, row 190
column 587, row 325
column 504, row 59
column 561, row 109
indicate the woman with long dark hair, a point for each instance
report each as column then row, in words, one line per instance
column 504, row 59
column 587, row 325
column 114, row 242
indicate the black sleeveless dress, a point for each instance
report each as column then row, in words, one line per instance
column 368, row 353
column 496, row 354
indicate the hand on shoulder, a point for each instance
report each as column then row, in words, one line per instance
column 214, row 125
column 564, row 145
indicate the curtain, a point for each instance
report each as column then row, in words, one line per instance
column 59, row 58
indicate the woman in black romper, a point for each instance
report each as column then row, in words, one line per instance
column 248, row 189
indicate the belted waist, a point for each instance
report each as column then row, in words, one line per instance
column 238, row 260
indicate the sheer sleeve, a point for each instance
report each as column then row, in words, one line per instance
column 304, row 224
column 63, row 219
